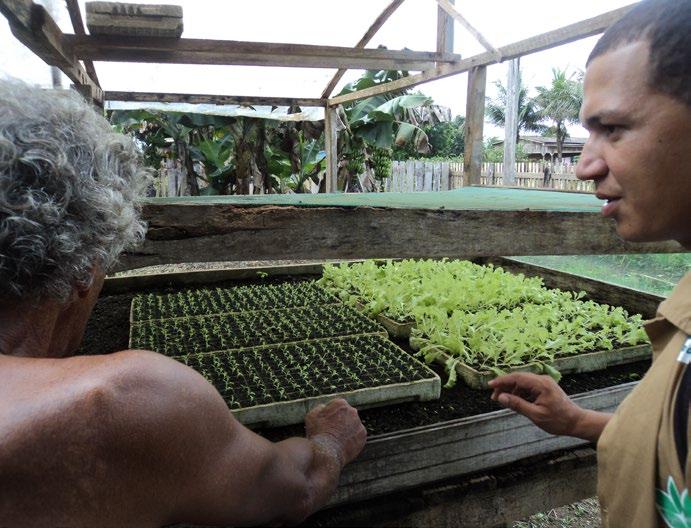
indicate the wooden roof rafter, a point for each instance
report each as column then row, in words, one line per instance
column 452, row 12
column 33, row 26
column 544, row 41
column 78, row 26
column 242, row 100
column 229, row 52
column 371, row 31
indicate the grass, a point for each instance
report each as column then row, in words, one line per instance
column 652, row 273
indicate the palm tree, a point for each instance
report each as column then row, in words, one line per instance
column 560, row 103
column 528, row 116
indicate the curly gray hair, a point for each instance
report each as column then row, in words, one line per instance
column 69, row 189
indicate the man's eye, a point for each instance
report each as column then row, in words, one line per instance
column 610, row 129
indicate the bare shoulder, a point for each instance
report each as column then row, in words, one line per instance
column 96, row 436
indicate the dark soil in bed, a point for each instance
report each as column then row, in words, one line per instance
column 108, row 331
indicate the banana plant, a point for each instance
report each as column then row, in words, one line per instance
column 379, row 122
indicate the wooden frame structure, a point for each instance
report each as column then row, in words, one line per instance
column 217, row 231
column 33, row 26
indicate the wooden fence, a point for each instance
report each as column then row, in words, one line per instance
column 418, row 175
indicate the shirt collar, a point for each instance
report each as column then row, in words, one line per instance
column 677, row 307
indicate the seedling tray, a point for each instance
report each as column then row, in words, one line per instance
column 174, row 337
column 277, row 385
column 587, row 362
column 210, row 301
column 394, row 328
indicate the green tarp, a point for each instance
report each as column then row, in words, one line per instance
column 467, row 198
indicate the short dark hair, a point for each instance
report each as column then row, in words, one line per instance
column 666, row 26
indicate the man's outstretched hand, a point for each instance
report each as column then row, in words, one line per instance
column 540, row 399
column 337, row 423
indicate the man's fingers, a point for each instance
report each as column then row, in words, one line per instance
column 518, row 404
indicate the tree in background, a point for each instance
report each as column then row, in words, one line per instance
column 560, row 103
column 529, row 118
column 373, row 127
column 494, row 153
column 446, row 140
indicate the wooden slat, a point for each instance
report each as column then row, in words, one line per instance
column 474, row 126
column 402, row 460
column 378, row 23
column 190, row 232
column 444, row 31
column 200, row 51
column 211, row 99
column 331, row 146
column 551, row 39
column 33, row 26
column 78, row 26
column 448, row 7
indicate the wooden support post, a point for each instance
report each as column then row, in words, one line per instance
column 474, row 124
column 331, row 145
column 444, row 31
column 513, row 88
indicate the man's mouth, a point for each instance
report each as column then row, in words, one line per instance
column 610, row 206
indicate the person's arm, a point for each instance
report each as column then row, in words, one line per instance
column 540, row 399
column 197, row 464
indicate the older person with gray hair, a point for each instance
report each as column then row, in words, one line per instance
column 131, row 438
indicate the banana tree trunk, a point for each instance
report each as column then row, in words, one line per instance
column 243, row 167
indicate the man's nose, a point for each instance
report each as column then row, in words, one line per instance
column 591, row 165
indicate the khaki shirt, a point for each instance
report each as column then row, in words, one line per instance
column 640, row 480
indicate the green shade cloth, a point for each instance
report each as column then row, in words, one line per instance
column 467, row 198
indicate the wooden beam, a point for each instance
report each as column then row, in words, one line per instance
column 211, row 99
column 474, row 126
column 214, row 231
column 449, row 8
column 331, row 146
column 513, row 93
column 551, row 39
column 33, row 26
column 378, row 23
column 444, row 31
column 199, row 51
column 78, row 26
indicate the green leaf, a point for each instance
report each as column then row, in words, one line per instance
column 674, row 508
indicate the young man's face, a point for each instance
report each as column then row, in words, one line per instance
column 639, row 149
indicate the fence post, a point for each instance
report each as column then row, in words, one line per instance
column 428, row 183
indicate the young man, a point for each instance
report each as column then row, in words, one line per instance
column 132, row 438
column 637, row 107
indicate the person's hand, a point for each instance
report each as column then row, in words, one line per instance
column 340, row 423
column 540, row 399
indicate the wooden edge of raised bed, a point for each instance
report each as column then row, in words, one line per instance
column 294, row 411
column 575, row 364
column 124, row 284
column 404, row 459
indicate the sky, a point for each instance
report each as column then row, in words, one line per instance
column 337, row 23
